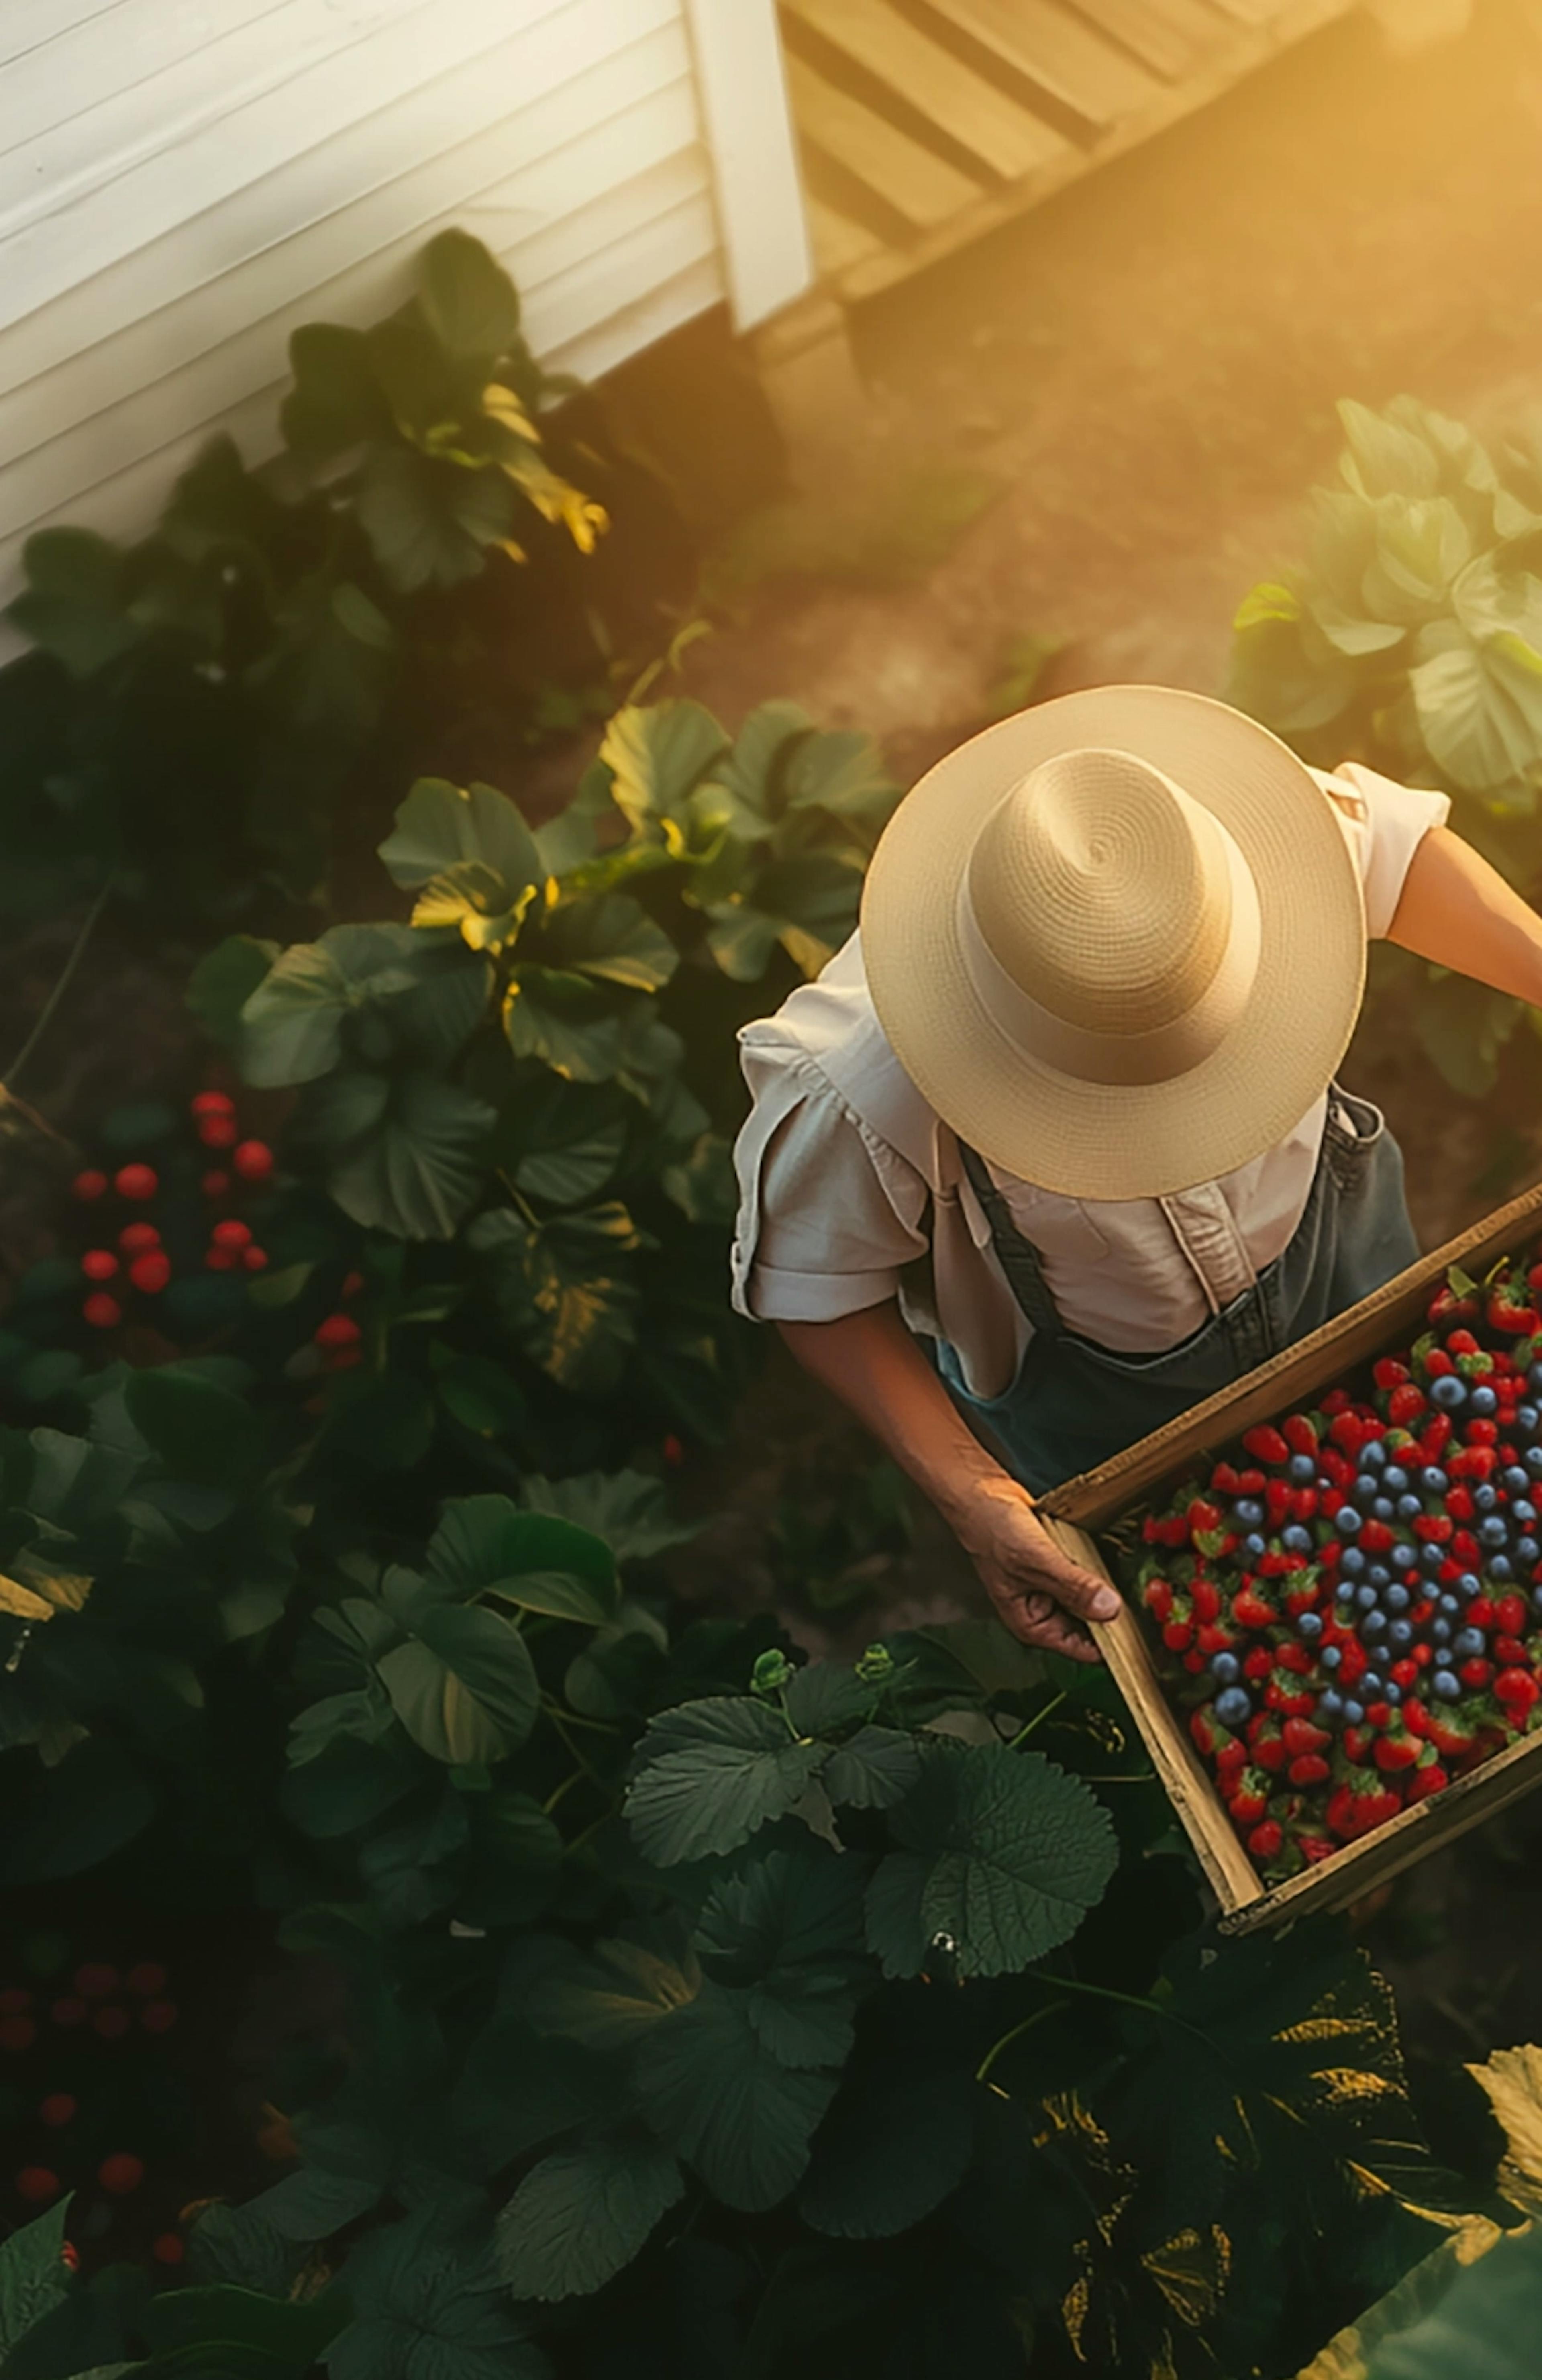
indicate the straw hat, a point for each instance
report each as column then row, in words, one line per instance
column 1117, row 941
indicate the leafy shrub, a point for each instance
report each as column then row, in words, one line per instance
column 1413, row 640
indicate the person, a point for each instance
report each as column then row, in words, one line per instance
column 1054, row 1146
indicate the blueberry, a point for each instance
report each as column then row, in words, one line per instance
column 1254, row 1546
column 1536, row 1598
column 1528, row 1552
column 1302, row 1469
column 1533, row 1459
column 1309, row 1626
column 1524, row 1513
column 1483, row 1401
column 1352, row 1562
column 1344, row 1591
column 1494, row 1530
column 1451, row 1606
column 1332, row 1655
column 1433, row 1480
column 1534, row 1379
column 1225, row 1668
column 1404, row 1556
column 1247, row 1512
column 1378, row 1574
column 1440, row 1631
column 1295, row 1539
column 1394, row 1479
column 1373, row 1624
column 1397, row 1598
column 1354, row 1713
column 1431, row 1559
column 1371, row 1686
column 1517, row 1480
column 1450, row 1391
column 1330, row 1703
column 1235, row 1708
column 1365, row 1597
column 1400, row 1635
column 1384, row 1509
column 1527, row 1416
column 1373, row 1455
column 1348, row 1521
column 1366, row 1490
column 1468, row 1645
column 1391, row 1692
column 1468, row 1585
column 1500, row 1567
column 1486, row 1497
column 1447, row 1687
column 1410, row 1508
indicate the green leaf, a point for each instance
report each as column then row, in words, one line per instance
column 704, row 1186
column 292, row 1024
column 1386, row 458
column 876, row 1768
column 225, row 979
column 711, row 1773
column 722, row 2101
column 610, row 1999
column 896, row 2144
column 34, row 2274
column 787, row 1932
column 566, row 1174
column 429, row 522
column 428, row 2306
column 75, row 603
column 518, row 1856
column 657, row 756
column 843, row 775
column 196, row 2329
column 485, row 1545
column 1474, row 724
column 201, row 1432
column 582, row 2214
column 559, row 1288
column 519, row 2088
column 613, row 939
column 824, row 1696
column 1002, row 1856
column 408, row 1155
column 337, row 401
column 464, row 1687
column 466, row 298
column 566, row 1020
column 438, row 826
column 627, row 1509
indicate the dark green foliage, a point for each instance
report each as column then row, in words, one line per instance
column 1413, row 640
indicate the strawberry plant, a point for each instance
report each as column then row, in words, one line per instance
column 1349, row 1611
column 1412, row 639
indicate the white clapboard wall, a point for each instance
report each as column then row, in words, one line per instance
column 182, row 182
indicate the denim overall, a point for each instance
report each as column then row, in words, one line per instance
column 1075, row 1403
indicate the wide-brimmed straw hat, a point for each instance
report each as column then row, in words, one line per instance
column 1118, row 940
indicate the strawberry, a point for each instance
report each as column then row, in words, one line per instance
column 1310, row 1770
column 1517, row 1690
column 1277, row 1502
column 1505, row 1312
column 1267, row 1743
column 1354, row 1810
column 1377, row 1538
column 1314, row 1848
column 1434, row 1527
column 1224, row 1478
column 1250, row 1483
column 1403, row 1674
column 1205, row 1595
column 1299, row 1434
column 1302, row 1736
column 1437, row 1364
column 1452, row 1728
column 1266, row 1445
column 1461, row 1342
column 1396, row 1751
column 1259, row 1663
column 1250, row 1801
column 1303, row 1503
column 1508, row 1652
column 1426, row 1780
column 1359, row 1745
column 1202, row 1517
column 1157, row 1596
column 1296, row 1659
column 1348, row 1432
column 1388, row 1373
column 1195, row 1662
column 1481, row 1614
column 1250, row 1610
column 1211, row 1637
column 1416, row 1719
column 1459, row 1502
column 1335, row 1402
column 1482, row 1432
column 1510, row 1613
column 1209, row 1736
column 1405, row 1403
column 1265, row 1841
column 1477, row 1674
column 1178, row 1635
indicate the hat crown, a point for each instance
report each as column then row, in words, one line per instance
column 1103, row 892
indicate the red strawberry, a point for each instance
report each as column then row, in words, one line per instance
column 1310, row 1770
column 1250, row 1483
column 1302, row 1736
column 1226, row 1478
column 1259, row 1663
column 1205, row 1595
column 1437, row 1363
column 1482, row 1432
column 1207, row 1732
column 1397, row 1750
column 1517, row 1690
column 1265, row 1444
column 1250, row 1610
column 1194, row 1661
column 1477, row 1674
column 1298, row 1433
column 1335, row 1402
column 1354, row 1810
column 1434, row 1527
column 1510, row 1613
column 1294, row 1657
column 1178, row 1636
column 1403, row 1674
column 1266, row 1840
column 1277, row 1502
column 1388, row 1373
column 1428, row 1780
column 1506, row 1314
column 1461, row 1342
column 1267, row 1743
column 1405, row 1403
column 1459, row 1502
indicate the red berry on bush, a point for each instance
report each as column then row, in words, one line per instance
column 112, row 2023
column 253, row 1161
column 17, row 2034
column 150, row 1272
column 231, row 1234
column 89, row 1184
column 36, row 2185
column 95, row 1979
column 337, row 1330
column 217, row 1131
column 353, row 1282
column 147, row 1979
column 159, row 2017
column 99, row 1264
column 68, row 2012
column 211, row 1103
column 216, row 1185
column 168, row 2249
column 136, row 1181
column 254, row 1259
column 120, row 2173
column 136, row 1238
column 219, row 1260
column 103, row 1313
column 673, row 1452
column 57, row 2109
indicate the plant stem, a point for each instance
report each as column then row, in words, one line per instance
column 983, row 2069
column 575, row 1750
column 61, row 985
column 577, row 1719
column 1037, row 1720
column 1124, row 1999
column 566, row 1787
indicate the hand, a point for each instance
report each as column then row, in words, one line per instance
column 1040, row 1595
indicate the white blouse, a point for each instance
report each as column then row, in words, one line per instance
column 851, row 1190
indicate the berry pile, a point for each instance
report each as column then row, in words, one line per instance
column 1349, row 1607
column 131, row 1257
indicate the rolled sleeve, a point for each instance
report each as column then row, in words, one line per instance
column 1384, row 823
column 824, row 1227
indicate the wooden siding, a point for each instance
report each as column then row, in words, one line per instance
column 182, row 182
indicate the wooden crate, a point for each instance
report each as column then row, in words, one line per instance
column 1074, row 1512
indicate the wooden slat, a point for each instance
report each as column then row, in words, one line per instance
column 978, row 116
column 837, row 240
column 923, row 189
column 1056, row 51
column 1138, row 26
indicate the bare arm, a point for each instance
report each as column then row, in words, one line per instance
column 875, row 1368
column 1459, row 911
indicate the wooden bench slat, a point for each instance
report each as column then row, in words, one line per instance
column 982, row 120
column 1057, row 52
column 837, row 240
column 1143, row 28
column 922, row 189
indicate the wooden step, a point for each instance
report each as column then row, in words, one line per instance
column 913, row 183
column 1047, row 45
column 924, row 76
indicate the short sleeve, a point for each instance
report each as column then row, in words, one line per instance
column 828, row 1217
column 1384, row 824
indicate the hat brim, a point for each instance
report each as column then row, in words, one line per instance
column 1091, row 1140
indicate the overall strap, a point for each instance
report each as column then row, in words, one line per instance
column 1018, row 1258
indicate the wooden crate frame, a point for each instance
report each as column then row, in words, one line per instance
column 1075, row 1511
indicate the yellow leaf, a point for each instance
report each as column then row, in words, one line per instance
column 21, row 1602
column 59, row 1590
column 504, row 406
column 1512, row 2079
